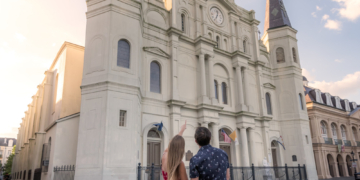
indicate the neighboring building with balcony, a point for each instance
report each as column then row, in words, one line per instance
column 6, row 146
column 335, row 132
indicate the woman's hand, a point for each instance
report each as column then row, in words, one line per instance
column 182, row 129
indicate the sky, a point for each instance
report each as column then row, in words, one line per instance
column 32, row 32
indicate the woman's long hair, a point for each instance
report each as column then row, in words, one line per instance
column 175, row 155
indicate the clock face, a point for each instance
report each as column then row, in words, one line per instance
column 216, row 15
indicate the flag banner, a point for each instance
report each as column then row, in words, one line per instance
column 226, row 137
column 233, row 136
column 342, row 148
column 159, row 126
column 281, row 144
column 339, row 148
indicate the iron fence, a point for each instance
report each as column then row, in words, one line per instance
column 338, row 141
column 64, row 172
column 347, row 142
column 328, row 141
column 237, row 173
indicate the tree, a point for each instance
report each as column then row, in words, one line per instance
column 8, row 164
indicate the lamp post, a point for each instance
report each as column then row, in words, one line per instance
column 354, row 161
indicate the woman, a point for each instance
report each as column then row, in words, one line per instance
column 172, row 166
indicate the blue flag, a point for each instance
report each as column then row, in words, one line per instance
column 159, row 126
column 281, row 144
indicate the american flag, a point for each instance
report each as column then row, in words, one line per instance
column 226, row 137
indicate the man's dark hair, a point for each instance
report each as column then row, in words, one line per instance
column 202, row 136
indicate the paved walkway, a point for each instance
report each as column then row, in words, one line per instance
column 342, row 178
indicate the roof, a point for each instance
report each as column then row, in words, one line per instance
column 4, row 141
column 310, row 96
column 276, row 15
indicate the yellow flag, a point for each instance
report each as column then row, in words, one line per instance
column 233, row 136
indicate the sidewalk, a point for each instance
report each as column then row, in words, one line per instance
column 343, row 178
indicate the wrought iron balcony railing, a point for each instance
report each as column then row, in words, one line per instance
column 338, row 141
column 328, row 140
column 347, row 142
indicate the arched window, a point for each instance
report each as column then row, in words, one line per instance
column 280, row 55
column 268, row 104
column 301, row 102
column 323, row 129
column 155, row 77
column 244, row 45
column 217, row 41
column 224, row 92
column 216, row 89
column 333, row 131
column 183, row 22
column 225, row 45
column 153, row 134
column 354, row 133
column 123, row 54
column 210, row 35
column 343, row 132
column 294, row 54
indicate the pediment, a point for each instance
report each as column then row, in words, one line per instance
column 269, row 85
column 229, row 6
column 156, row 51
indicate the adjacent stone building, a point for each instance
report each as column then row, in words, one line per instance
column 6, row 146
column 48, row 133
column 335, row 132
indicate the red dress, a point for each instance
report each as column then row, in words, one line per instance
column 165, row 176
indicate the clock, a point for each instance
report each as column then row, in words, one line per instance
column 216, row 15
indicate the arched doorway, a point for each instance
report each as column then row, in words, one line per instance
column 349, row 166
column 340, row 163
column 154, row 151
column 331, row 163
column 226, row 146
column 275, row 156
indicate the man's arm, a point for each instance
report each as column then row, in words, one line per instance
column 228, row 174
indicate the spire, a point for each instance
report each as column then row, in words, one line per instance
column 276, row 15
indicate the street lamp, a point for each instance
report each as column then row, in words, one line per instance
column 353, row 161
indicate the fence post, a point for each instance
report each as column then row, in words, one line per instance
column 242, row 171
column 139, row 171
column 286, row 172
column 253, row 171
column 152, row 171
column 231, row 172
column 305, row 172
column 299, row 171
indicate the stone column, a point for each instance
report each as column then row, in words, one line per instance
column 215, row 130
column 205, row 124
column 252, row 146
column 246, row 93
column 174, row 73
column 202, row 78
column 211, row 81
column 237, row 150
column 240, row 96
column 330, row 135
column 174, row 14
column 244, row 147
column 197, row 19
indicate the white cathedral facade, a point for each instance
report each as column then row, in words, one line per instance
column 152, row 61
column 171, row 61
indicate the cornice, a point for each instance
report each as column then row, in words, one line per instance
column 156, row 51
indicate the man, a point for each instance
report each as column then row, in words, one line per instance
column 209, row 163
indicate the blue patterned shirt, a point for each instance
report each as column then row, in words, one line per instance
column 209, row 163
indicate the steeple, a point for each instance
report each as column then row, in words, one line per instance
column 276, row 15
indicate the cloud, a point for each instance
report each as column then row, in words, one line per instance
column 333, row 24
column 21, row 38
column 314, row 14
column 338, row 60
column 350, row 9
column 308, row 75
column 318, row 8
column 325, row 17
column 348, row 87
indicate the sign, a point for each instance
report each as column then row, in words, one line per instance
column 188, row 155
column 354, row 165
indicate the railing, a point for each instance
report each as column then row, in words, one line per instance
column 64, row 172
column 358, row 143
column 237, row 173
column 347, row 142
column 338, row 141
column 328, row 141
